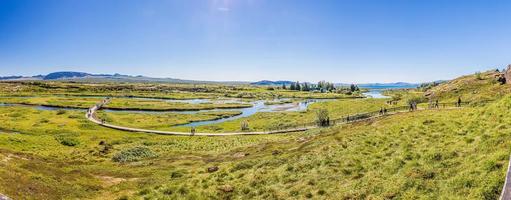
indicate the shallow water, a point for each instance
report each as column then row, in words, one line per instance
column 40, row 107
column 375, row 93
column 259, row 106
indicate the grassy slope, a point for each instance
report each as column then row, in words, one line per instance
column 471, row 88
column 35, row 165
column 456, row 154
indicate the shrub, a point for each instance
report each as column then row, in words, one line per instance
column 67, row 140
column 71, row 142
column 478, row 76
column 322, row 118
column 133, row 154
column 244, row 126
column 61, row 112
column 416, row 99
column 177, row 174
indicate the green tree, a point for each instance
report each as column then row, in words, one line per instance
column 297, row 87
column 353, row 87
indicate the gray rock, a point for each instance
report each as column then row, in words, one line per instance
column 3, row 197
column 212, row 169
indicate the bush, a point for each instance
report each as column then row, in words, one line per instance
column 322, row 118
column 67, row 140
column 478, row 76
column 133, row 154
column 71, row 142
column 244, row 126
column 61, row 112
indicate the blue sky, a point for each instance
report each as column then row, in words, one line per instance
column 335, row 40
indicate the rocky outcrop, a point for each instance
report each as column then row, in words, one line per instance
column 507, row 74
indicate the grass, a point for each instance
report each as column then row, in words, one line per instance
column 155, row 90
column 434, row 154
column 476, row 88
column 428, row 154
column 32, row 137
column 156, row 105
column 118, row 103
column 473, row 88
column 160, row 120
column 261, row 121
column 133, row 154
column 454, row 154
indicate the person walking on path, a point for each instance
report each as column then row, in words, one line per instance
column 459, row 102
column 192, row 131
column 436, row 103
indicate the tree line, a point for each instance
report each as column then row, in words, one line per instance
column 322, row 86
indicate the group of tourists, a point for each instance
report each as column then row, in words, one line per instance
column 91, row 111
column 412, row 106
column 392, row 102
column 383, row 111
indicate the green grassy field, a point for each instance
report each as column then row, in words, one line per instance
column 157, row 90
column 119, row 103
column 426, row 154
column 431, row 154
column 159, row 121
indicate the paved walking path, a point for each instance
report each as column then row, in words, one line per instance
column 91, row 115
column 506, row 189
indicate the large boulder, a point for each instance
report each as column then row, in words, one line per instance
column 507, row 74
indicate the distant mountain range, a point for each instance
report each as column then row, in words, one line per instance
column 267, row 82
column 388, row 85
column 87, row 77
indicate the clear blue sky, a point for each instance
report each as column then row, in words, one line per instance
column 306, row 40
